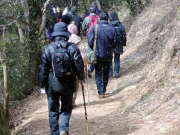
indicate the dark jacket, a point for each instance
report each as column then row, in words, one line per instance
column 106, row 39
column 121, row 38
column 45, row 68
column 78, row 21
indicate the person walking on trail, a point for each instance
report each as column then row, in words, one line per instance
column 66, row 19
column 53, row 8
column 105, row 42
column 121, row 36
column 50, row 22
column 58, row 83
column 76, row 40
column 76, row 18
column 88, row 23
column 97, row 10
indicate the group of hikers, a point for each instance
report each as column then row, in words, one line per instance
column 62, row 66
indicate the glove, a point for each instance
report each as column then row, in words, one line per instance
column 82, row 82
column 42, row 91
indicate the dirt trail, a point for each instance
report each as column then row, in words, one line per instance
column 99, row 113
column 143, row 101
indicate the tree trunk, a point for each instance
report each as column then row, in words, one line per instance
column 6, row 83
column 4, row 127
column 98, row 4
column 97, row 1
column 21, row 34
column 25, row 6
column 43, row 23
column 35, row 14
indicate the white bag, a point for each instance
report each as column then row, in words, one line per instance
column 84, row 52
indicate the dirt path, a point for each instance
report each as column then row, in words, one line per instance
column 103, row 115
column 145, row 100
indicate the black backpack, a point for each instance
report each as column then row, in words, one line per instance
column 120, row 34
column 61, row 62
column 62, row 71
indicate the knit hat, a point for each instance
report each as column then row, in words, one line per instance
column 72, row 28
column 60, row 29
column 73, row 9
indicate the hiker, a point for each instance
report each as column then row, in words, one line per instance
column 121, row 35
column 53, row 8
column 66, row 19
column 97, row 10
column 50, row 22
column 89, row 21
column 60, row 89
column 106, row 41
column 87, row 24
column 74, row 39
column 59, row 16
column 76, row 18
column 58, row 9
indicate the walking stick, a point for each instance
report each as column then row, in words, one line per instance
column 87, row 85
column 85, row 109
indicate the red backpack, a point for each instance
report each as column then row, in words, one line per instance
column 94, row 20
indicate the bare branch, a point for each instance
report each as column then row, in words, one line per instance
column 43, row 23
column 13, row 18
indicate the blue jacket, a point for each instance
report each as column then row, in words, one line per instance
column 106, row 39
column 121, row 36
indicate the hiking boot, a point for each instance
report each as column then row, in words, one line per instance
column 89, row 73
column 63, row 133
column 101, row 96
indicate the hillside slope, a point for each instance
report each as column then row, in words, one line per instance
column 151, row 60
column 145, row 100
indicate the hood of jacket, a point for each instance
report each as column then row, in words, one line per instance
column 114, row 23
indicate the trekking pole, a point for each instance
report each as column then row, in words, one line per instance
column 85, row 109
column 87, row 85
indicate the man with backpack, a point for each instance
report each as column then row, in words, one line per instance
column 61, row 62
column 87, row 25
column 76, row 18
column 121, row 35
column 89, row 21
column 105, row 42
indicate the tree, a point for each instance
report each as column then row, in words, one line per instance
column 30, row 24
column 4, row 127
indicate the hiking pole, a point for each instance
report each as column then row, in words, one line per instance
column 87, row 85
column 85, row 109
